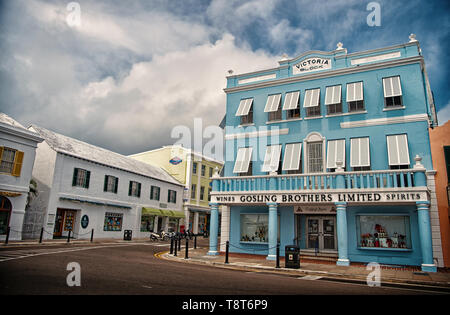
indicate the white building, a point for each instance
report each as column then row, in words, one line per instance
column 17, row 152
column 83, row 187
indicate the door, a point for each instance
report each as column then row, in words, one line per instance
column 69, row 220
column 321, row 233
column 58, row 223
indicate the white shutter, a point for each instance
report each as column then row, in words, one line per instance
column 292, row 154
column 311, row 98
column 244, row 107
column 355, row 92
column 272, row 158
column 291, row 100
column 272, row 104
column 335, row 152
column 242, row 160
column 333, row 95
column 398, row 152
column 392, row 86
column 359, row 152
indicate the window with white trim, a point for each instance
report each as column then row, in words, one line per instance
column 335, row 152
column 360, row 154
column 398, row 153
column 290, row 105
column 392, row 89
column 243, row 163
column 355, row 96
column 273, row 107
column 245, row 111
column 312, row 102
column 292, row 158
column 333, row 99
column 272, row 158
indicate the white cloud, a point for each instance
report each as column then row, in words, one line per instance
column 444, row 114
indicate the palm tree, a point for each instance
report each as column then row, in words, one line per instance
column 32, row 193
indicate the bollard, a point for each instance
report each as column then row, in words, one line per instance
column 68, row 237
column 227, row 250
column 179, row 243
column 175, row 248
column 278, row 256
column 92, row 235
column 42, row 235
column 186, row 255
column 8, row 229
column 195, row 241
column 171, row 245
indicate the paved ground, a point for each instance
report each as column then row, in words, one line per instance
column 143, row 267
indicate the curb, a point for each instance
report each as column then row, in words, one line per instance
column 327, row 276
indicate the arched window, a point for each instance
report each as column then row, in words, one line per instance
column 314, row 153
column 5, row 214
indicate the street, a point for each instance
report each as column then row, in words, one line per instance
column 132, row 268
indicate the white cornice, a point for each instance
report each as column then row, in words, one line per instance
column 261, row 133
column 384, row 121
column 324, row 74
column 20, row 132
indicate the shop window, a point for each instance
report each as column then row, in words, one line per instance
column 384, row 231
column 111, row 183
column 172, row 226
column 113, row 222
column 255, row 228
column 147, row 223
column 81, row 178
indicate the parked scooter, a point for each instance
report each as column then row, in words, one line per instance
column 161, row 236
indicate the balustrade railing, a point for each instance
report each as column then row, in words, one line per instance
column 320, row 181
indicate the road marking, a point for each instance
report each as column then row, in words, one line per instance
column 310, row 277
column 147, row 287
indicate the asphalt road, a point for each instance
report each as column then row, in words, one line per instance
column 133, row 269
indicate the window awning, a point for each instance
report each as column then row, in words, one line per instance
column 392, row 86
column 333, row 95
column 292, row 154
column 151, row 211
column 272, row 158
column 335, row 152
column 311, row 98
column 273, row 102
column 243, row 158
column 398, row 152
column 291, row 100
column 359, row 152
column 355, row 92
column 244, row 107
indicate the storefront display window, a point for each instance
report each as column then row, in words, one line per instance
column 147, row 223
column 113, row 221
column 254, row 228
column 384, row 231
column 173, row 225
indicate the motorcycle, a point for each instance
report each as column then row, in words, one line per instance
column 161, row 236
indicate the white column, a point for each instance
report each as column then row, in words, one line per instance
column 195, row 223
column 224, row 227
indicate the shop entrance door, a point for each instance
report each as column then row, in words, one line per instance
column 64, row 222
column 321, row 233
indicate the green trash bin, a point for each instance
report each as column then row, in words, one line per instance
column 292, row 256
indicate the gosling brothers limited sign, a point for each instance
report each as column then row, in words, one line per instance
column 311, row 65
column 308, row 198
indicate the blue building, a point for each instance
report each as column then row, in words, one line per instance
column 330, row 151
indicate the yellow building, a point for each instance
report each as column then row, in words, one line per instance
column 193, row 170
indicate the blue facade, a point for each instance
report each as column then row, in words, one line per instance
column 319, row 203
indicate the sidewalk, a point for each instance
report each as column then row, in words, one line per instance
column 313, row 270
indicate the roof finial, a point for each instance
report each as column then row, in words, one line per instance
column 284, row 56
column 339, row 46
column 412, row 38
column 230, row 72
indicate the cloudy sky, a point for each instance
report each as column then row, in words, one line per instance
column 132, row 70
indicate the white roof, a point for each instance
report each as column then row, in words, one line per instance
column 86, row 151
column 11, row 126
